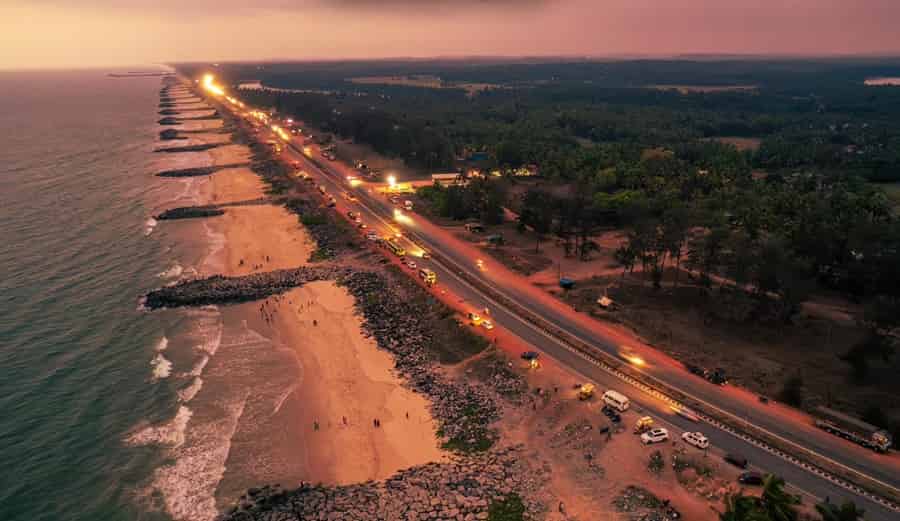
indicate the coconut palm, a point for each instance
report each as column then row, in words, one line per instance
column 739, row 507
column 778, row 504
column 847, row 511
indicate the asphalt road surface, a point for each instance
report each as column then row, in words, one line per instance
column 376, row 211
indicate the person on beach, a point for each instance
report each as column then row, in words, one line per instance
column 315, row 425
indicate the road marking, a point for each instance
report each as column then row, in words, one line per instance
column 326, row 172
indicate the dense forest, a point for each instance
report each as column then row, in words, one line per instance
column 638, row 145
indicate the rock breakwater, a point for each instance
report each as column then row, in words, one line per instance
column 189, row 148
column 463, row 490
column 219, row 289
column 190, row 212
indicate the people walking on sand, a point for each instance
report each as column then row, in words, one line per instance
column 344, row 419
column 315, row 322
column 316, row 425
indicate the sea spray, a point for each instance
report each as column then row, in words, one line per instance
column 170, row 434
column 162, row 367
column 187, row 394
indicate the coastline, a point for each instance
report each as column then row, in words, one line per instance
column 282, row 366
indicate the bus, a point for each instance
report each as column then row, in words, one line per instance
column 394, row 247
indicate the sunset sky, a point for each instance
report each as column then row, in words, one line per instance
column 85, row 33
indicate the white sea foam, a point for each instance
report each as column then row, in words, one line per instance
column 211, row 262
column 173, row 272
column 169, row 434
column 162, row 344
column 187, row 394
column 150, row 225
column 197, row 370
column 188, row 484
column 162, row 367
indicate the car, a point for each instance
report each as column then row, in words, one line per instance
column 426, row 255
column 361, row 225
column 697, row 439
column 737, row 460
column 475, row 318
column 656, row 435
column 615, row 417
column 530, row 355
column 751, row 478
column 372, row 236
column 411, row 264
column 353, row 215
column 487, row 324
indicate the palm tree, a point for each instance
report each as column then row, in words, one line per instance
column 778, row 504
column 847, row 511
column 739, row 507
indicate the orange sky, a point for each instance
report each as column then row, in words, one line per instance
column 85, row 33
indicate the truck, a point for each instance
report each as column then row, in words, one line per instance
column 853, row 429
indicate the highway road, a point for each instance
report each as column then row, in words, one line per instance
column 376, row 211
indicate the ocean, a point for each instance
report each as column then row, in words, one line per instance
column 94, row 390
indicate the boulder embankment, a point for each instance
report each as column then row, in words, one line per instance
column 465, row 489
column 198, row 171
column 189, row 148
column 219, row 289
column 170, row 134
column 190, row 212
column 214, row 115
column 169, row 121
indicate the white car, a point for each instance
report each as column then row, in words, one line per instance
column 487, row 324
column 372, row 236
column 411, row 264
column 697, row 439
column 654, row 436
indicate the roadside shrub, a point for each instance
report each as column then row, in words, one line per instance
column 509, row 508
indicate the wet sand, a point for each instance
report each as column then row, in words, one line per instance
column 294, row 383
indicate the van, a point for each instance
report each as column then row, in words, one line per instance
column 616, row 400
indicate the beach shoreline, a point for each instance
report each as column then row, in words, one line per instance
column 295, row 381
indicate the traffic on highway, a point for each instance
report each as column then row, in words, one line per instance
column 448, row 266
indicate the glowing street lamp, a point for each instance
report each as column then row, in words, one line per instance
column 392, row 181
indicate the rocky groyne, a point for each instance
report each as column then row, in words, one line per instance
column 219, row 289
column 465, row 489
column 169, row 134
column 189, row 148
column 190, row 212
column 169, row 121
column 198, row 171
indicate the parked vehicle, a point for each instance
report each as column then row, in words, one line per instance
column 586, row 391
column 697, row 439
column 428, row 276
column 656, row 435
column 737, row 460
column 751, row 478
column 643, row 425
column 853, row 429
column 616, row 400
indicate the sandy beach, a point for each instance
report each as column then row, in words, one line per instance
column 295, row 381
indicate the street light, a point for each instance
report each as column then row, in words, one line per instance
column 392, row 181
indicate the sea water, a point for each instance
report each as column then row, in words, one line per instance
column 95, row 393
